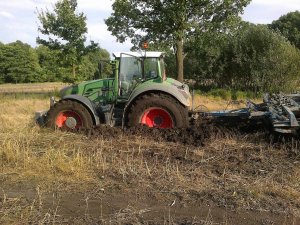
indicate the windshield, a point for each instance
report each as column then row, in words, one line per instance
column 133, row 70
column 130, row 73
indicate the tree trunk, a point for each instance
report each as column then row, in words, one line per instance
column 74, row 70
column 179, row 59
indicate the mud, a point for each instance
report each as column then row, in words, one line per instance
column 93, row 206
column 196, row 135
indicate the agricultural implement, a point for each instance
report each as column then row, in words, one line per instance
column 138, row 92
column 278, row 113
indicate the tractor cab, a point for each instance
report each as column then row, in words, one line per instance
column 136, row 68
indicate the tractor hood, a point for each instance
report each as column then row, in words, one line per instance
column 86, row 87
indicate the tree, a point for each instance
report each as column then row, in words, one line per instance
column 89, row 65
column 171, row 21
column 289, row 27
column 65, row 30
column 18, row 63
column 259, row 59
column 203, row 61
column 51, row 67
column 2, row 64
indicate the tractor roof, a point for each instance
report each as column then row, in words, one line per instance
column 138, row 54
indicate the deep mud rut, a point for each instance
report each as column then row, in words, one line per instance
column 190, row 136
column 195, row 135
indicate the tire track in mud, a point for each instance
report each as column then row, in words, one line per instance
column 195, row 135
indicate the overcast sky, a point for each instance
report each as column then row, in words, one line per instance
column 18, row 19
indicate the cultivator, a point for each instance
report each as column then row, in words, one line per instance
column 278, row 112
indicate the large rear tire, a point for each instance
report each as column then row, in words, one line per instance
column 157, row 110
column 68, row 114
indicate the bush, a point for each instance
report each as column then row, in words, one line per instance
column 258, row 59
column 222, row 93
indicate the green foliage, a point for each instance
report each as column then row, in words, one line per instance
column 238, row 95
column 258, row 59
column 203, row 61
column 228, row 94
column 18, row 63
column 223, row 93
column 88, row 68
column 64, row 30
column 253, row 58
column 49, row 60
column 168, row 21
column 289, row 26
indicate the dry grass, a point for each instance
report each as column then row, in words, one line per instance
column 31, row 88
column 235, row 171
column 213, row 103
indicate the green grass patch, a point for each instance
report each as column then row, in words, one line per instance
column 228, row 94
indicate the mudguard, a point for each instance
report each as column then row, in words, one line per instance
column 179, row 92
column 87, row 103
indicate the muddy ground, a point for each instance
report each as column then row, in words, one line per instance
column 196, row 175
column 93, row 205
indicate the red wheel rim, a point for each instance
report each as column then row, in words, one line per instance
column 157, row 117
column 63, row 116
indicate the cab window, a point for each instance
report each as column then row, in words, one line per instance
column 150, row 68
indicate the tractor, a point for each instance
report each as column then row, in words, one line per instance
column 137, row 92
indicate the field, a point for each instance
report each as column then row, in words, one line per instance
column 202, row 175
column 30, row 88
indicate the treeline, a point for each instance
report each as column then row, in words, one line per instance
column 216, row 52
column 20, row 63
column 208, row 42
column 254, row 58
column 251, row 58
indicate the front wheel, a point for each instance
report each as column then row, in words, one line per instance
column 68, row 114
column 157, row 110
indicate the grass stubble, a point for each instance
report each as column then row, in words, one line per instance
column 121, row 180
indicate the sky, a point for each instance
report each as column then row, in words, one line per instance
column 18, row 18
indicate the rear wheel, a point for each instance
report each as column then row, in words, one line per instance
column 157, row 110
column 68, row 114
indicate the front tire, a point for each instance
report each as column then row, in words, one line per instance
column 68, row 114
column 157, row 110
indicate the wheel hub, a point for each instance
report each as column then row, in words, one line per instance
column 71, row 122
column 68, row 119
column 157, row 117
column 158, row 121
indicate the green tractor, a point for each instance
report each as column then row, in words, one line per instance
column 138, row 92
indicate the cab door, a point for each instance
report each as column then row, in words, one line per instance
column 130, row 74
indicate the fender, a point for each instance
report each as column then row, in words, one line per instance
column 86, row 103
column 179, row 93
